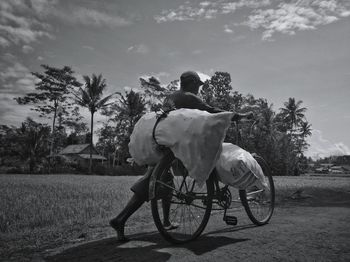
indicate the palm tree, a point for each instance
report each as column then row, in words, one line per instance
column 292, row 113
column 305, row 129
column 91, row 98
column 129, row 110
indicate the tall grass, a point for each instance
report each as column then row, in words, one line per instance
column 29, row 202
column 39, row 201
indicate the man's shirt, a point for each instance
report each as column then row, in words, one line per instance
column 181, row 99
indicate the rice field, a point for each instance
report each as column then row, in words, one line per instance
column 40, row 209
column 29, row 202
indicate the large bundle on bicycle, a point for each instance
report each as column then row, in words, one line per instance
column 196, row 138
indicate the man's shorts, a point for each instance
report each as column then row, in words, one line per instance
column 141, row 187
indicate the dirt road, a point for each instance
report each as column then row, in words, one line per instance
column 300, row 230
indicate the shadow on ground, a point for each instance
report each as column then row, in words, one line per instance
column 142, row 247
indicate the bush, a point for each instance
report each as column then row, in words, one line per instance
column 127, row 170
column 14, row 170
column 101, row 170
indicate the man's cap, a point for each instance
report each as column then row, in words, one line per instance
column 190, row 76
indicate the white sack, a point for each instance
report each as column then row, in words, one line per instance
column 238, row 168
column 194, row 136
column 142, row 147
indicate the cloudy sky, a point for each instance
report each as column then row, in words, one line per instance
column 272, row 49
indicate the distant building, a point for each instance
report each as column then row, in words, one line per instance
column 327, row 165
column 321, row 170
column 81, row 154
column 337, row 170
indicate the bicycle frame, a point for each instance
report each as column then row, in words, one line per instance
column 218, row 191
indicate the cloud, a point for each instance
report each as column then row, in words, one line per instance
column 91, row 17
column 140, row 49
column 19, row 35
column 321, row 147
column 158, row 75
column 231, row 7
column 203, row 77
column 16, row 79
column 20, row 24
column 227, row 29
column 88, row 47
column 27, row 49
column 40, row 58
column 288, row 18
column 205, row 10
column 25, row 22
column 197, row 52
column 11, row 113
column 136, row 90
column 4, row 42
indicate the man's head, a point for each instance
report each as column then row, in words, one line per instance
column 190, row 82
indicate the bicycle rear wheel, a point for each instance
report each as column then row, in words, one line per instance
column 259, row 203
column 190, row 205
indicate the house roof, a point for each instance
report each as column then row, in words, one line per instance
column 94, row 156
column 73, row 149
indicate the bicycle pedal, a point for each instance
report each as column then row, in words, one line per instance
column 230, row 220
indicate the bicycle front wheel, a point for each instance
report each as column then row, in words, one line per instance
column 259, row 203
column 180, row 200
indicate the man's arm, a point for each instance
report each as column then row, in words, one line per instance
column 188, row 100
column 201, row 105
column 194, row 102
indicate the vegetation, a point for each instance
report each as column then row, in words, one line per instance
column 91, row 98
column 27, row 144
column 51, row 97
column 279, row 136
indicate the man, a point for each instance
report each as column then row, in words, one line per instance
column 186, row 97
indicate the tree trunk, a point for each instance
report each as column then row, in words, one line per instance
column 52, row 136
column 115, row 152
column 91, row 141
column 31, row 165
column 53, row 130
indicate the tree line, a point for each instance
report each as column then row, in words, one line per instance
column 279, row 136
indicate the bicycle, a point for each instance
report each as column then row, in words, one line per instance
column 191, row 205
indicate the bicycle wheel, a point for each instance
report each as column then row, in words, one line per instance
column 259, row 203
column 190, row 205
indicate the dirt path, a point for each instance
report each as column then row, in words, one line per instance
column 299, row 231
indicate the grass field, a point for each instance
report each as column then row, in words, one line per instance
column 41, row 211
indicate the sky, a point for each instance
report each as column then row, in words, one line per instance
column 272, row 49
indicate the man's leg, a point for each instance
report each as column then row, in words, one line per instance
column 140, row 188
column 166, row 202
column 166, row 212
column 118, row 223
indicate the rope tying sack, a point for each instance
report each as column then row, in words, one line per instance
column 160, row 117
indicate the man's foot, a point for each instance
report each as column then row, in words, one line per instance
column 171, row 226
column 119, row 227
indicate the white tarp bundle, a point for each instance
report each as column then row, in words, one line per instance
column 238, row 168
column 194, row 136
column 142, row 147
